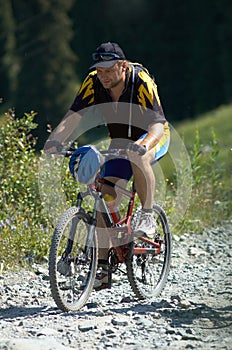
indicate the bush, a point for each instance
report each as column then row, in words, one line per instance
column 210, row 204
column 23, row 231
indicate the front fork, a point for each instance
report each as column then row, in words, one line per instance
column 91, row 230
column 71, row 237
column 72, row 231
column 92, row 223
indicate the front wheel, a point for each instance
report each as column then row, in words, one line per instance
column 148, row 264
column 72, row 262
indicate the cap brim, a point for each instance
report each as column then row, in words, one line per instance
column 104, row 64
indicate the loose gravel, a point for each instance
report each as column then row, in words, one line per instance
column 193, row 312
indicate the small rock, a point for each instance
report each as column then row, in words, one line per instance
column 119, row 322
column 86, row 328
column 92, row 305
column 126, row 300
column 176, row 298
column 196, row 251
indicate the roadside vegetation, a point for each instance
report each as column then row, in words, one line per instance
column 25, row 227
column 209, row 144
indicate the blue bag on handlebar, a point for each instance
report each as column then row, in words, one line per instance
column 84, row 164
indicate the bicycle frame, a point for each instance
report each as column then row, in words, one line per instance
column 74, row 254
column 119, row 233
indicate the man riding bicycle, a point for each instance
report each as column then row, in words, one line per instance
column 143, row 132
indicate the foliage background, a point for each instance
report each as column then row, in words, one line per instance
column 46, row 46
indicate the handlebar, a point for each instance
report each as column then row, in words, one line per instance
column 111, row 152
column 115, row 152
column 67, row 152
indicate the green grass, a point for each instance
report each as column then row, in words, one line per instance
column 219, row 121
column 208, row 140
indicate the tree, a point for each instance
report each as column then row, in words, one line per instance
column 223, row 41
column 8, row 57
column 185, row 44
column 47, row 71
column 46, row 47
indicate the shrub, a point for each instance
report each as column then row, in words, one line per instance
column 23, row 230
column 210, row 203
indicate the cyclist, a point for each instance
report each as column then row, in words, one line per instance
column 144, row 131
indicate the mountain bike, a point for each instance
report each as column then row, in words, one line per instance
column 73, row 258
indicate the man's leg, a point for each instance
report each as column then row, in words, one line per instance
column 144, row 178
column 142, row 170
column 104, row 243
column 145, row 186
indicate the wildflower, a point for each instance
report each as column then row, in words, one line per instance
column 7, row 221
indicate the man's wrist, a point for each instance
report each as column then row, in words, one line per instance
column 53, row 144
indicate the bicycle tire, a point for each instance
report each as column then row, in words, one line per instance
column 148, row 273
column 72, row 275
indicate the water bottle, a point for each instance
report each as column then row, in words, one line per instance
column 112, row 208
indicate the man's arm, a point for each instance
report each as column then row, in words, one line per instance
column 68, row 126
column 61, row 135
column 155, row 132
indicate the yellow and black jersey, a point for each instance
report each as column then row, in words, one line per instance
column 146, row 109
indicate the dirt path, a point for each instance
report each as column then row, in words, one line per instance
column 193, row 312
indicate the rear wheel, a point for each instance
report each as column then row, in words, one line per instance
column 148, row 264
column 72, row 266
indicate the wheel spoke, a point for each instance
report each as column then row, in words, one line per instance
column 148, row 271
column 71, row 272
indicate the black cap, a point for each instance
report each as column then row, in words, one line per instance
column 107, row 54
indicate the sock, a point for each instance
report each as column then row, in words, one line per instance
column 147, row 210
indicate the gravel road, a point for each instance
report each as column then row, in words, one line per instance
column 193, row 312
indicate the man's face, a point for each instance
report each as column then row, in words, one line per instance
column 111, row 77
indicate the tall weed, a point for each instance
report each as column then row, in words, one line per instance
column 210, row 203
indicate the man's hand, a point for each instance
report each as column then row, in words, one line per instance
column 52, row 146
column 136, row 148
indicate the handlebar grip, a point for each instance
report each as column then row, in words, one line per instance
column 139, row 149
